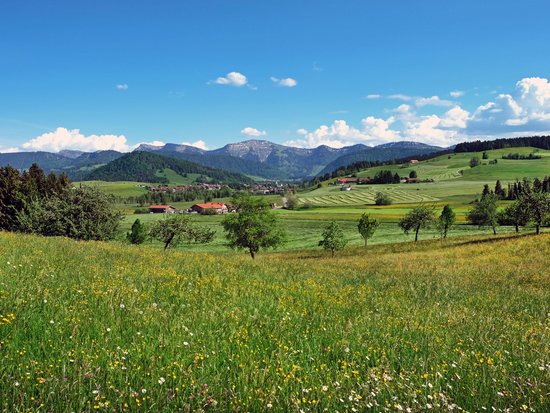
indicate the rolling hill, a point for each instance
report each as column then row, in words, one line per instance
column 449, row 179
column 152, row 167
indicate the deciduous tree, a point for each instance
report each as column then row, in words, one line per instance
column 175, row 229
column 421, row 216
column 253, row 227
column 484, row 212
column 367, row 227
column 333, row 238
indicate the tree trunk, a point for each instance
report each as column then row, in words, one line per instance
column 251, row 253
column 416, row 234
column 494, row 231
column 537, row 227
column 517, row 228
column 332, row 250
column 366, row 243
column 168, row 242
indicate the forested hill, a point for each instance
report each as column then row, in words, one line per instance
column 145, row 167
column 542, row 142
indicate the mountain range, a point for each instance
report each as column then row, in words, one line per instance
column 255, row 158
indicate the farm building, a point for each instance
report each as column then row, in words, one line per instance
column 219, row 207
column 162, row 209
column 343, row 181
column 413, row 161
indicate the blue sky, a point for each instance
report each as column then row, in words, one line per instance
column 104, row 74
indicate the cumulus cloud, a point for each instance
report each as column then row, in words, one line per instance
column 456, row 94
column 197, row 144
column 339, row 134
column 253, row 132
column 286, row 82
column 525, row 110
column 152, row 143
column 232, row 79
column 63, row 138
column 122, row 86
column 432, row 101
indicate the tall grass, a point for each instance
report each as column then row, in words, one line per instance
column 426, row 327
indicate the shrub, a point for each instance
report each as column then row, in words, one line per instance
column 382, row 199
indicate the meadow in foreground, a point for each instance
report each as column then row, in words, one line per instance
column 89, row 326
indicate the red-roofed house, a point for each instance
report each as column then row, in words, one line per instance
column 343, row 181
column 162, row 209
column 219, row 207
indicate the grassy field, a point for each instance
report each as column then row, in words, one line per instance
column 454, row 182
column 88, row 326
column 304, row 229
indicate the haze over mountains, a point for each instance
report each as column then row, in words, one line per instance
column 257, row 158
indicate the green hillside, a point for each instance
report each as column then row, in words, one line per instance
column 453, row 179
column 151, row 167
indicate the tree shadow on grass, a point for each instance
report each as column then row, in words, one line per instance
column 491, row 240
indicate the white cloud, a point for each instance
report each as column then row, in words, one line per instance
column 286, row 82
column 122, row 86
column 339, row 134
column 455, row 118
column 373, row 96
column 197, row 144
column 402, row 109
column 399, row 96
column 9, row 150
column 428, row 129
column 248, row 131
column 232, row 79
column 153, row 143
column 432, row 101
column 63, row 138
column 526, row 110
column 456, row 94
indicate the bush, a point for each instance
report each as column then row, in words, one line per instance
column 382, row 199
column 79, row 213
column 474, row 162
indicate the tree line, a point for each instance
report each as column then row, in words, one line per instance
column 33, row 202
column 542, row 142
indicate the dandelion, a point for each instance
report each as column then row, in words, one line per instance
column 161, row 381
column 122, row 305
column 269, row 405
column 185, row 343
column 108, row 329
column 324, row 388
column 52, row 322
column 143, row 391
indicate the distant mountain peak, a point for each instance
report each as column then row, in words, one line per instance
column 70, row 153
column 148, row 148
column 406, row 144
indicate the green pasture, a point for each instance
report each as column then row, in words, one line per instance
column 409, row 327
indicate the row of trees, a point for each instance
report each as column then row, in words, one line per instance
column 532, row 204
column 49, row 205
column 542, row 142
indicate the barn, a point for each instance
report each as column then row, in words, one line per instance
column 162, row 209
column 218, row 207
